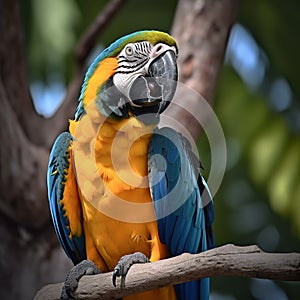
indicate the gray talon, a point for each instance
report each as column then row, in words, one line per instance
column 116, row 274
column 86, row 267
column 125, row 262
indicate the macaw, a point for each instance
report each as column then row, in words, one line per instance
column 122, row 190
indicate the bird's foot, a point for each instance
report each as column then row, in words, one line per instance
column 86, row 267
column 126, row 262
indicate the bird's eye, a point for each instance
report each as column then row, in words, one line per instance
column 129, row 50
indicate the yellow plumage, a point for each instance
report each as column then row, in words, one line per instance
column 107, row 179
column 104, row 70
column 113, row 167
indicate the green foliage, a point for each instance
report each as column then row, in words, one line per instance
column 269, row 151
column 54, row 28
column 259, row 199
column 275, row 26
column 52, row 36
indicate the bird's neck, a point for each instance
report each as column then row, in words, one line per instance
column 122, row 149
column 119, row 148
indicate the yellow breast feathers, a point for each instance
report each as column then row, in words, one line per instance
column 110, row 156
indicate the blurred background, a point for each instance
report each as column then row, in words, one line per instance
column 257, row 103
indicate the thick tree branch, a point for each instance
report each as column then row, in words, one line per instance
column 90, row 36
column 228, row 260
column 13, row 68
column 201, row 29
column 86, row 43
column 26, row 136
column 24, row 165
column 16, row 83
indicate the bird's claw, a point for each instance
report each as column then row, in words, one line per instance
column 86, row 267
column 116, row 274
column 125, row 262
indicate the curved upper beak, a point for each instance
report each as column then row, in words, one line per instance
column 157, row 87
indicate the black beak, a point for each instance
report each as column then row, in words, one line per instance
column 154, row 92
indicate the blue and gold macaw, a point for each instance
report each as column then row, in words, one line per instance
column 121, row 190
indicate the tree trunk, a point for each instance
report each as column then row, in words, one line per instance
column 201, row 29
column 29, row 252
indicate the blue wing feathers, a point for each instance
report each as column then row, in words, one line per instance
column 56, row 178
column 182, row 203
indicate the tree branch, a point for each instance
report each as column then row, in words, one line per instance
column 89, row 38
column 13, row 68
column 27, row 135
column 228, row 260
column 202, row 42
column 86, row 43
column 16, row 83
column 22, row 172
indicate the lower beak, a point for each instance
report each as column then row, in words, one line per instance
column 156, row 89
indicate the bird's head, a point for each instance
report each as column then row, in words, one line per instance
column 134, row 76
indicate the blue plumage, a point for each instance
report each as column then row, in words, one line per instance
column 182, row 202
column 177, row 189
column 56, row 178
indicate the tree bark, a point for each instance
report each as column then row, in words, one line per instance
column 201, row 29
column 29, row 250
column 228, row 260
column 30, row 254
column 36, row 129
column 85, row 45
